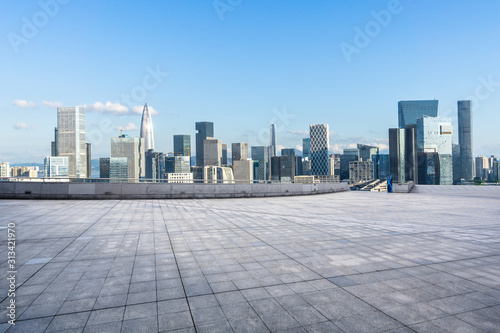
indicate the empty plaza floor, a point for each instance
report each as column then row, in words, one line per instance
column 427, row 261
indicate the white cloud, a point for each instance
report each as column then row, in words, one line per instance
column 299, row 147
column 52, row 104
column 138, row 109
column 302, row 134
column 20, row 126
column 108, row 107
column 130, row 127
column 24, row 104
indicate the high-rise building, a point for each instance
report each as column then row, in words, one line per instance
column 495, row 170
column 4, row 169
column 403, row 154
column 104, row 164
column 465, row 140
column 284, row 168
column 273, row 144
column 319, row 136
column 457, row 167
column 56, row 166
column 177, row 164
column 349, row 155
column 361, row 171
column 288, row 152
column 147, row 133
column 114, row 168
column 133, row 150
column 410, row 111
column 366, row 152
column 155, row 165
column 306, row 148
column 70, row 139
column 429, row 168
column 182, row 145
column 260, row 156
column 243, row 170
column 212, row 152
column 53, row 146
column 482, row 167
column 381, row 166
column 89, row 161
column 205, row 130
column 239, row 151
column 434, row 135
column 224, row 154
column 26, row 171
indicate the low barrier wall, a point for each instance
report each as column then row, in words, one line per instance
column 403, row 188
column 45, row 190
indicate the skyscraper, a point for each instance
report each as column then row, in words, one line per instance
column 224, row 154
column 155, row 165
column 70, row 140
column 177, row 164
column 205, row 130
column 212, row 152
column 306, row 148
column 397, row 154
column 133, row 150
column 410, row 111
column 182, row 145
column 319, row 136
column 4, row 169
column 56, row 166
column 465, row 139
column 243, row 170
column 272, row 145
column 260, row 156
column 366, row 152
column 89, row 161
column 147, row 129
column 434, row 135
column 482, row 167
column 239, row 151
column 288, row 152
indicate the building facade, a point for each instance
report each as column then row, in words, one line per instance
column 177, row 164
column 239, row 151
column 466, row 170
column 212, row 152
column 243, row 170
column 133, row 149
column 70, row 141
column 319, row 135
column 273, row 141
column 306, row 148
column 56, row 166
column 4, row 169
column 182, row 145
column 361, row 171
column 260, row 156
column 205, row 129
column 410, row 111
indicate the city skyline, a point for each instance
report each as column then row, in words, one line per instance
column 292, row 72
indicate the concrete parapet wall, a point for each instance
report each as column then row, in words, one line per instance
column 46, row 190
column 403, row 188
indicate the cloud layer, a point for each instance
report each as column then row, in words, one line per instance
column 24, row 104
column 130, row 127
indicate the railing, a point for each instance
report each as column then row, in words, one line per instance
column 165, row 181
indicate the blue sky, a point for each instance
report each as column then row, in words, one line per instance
column 243, row 65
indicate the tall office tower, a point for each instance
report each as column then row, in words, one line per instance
column 155, row 165
column 104, row 163
column 361, row 171
column 381, row 166
column 243, row 170
column 331, row 170
column 366, row 152
column 70, row 140
column 89, row 161
column 4, row 169
column 177, row 164
column 133, row 150
column 284, row 168
column 434, row 135
column 53, row 144
column 273, row 144
column 288, row 152
column 319, row 136
column 306, row 167
column 147, row 133
column 224, row 154
column 113, row 168
column 205, row 130
column 491, row 163
column 495, row 169
column 306, row 148
column 56, row 166
column 457, row 169
column 239, row 151
column 260, row 156
column 482, row 167
column 465, row 140
column 429, row 168
column 212, row 154
column 397, row 154
column 182, row 145
column 217, row 174
column 410, row 111
column 349, row 155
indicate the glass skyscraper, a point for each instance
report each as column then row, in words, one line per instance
column 239, row 151
column 465, row 140
column 70, row 140
column 205, row 130
column 56, row 166
column 272, row 144
column 410, row 111
column 133, row 150
column 147, row 129
column 260, row 156
column 182, row 145
column 306, row 148
column 320, row 159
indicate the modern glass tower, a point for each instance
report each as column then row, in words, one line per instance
column 212, row 152
column 239, row 151
column 306, row 148
column 70, row 140
column 147, row 129
column 260, row 156
column 272, row 145
column 182, row 145
column 133, row 150
column 319, row 136
column 410, row 111
column 465, row 140
column 205, row 130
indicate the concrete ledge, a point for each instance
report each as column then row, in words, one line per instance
column 403, row 188
column 102, row 191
